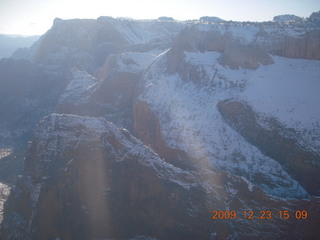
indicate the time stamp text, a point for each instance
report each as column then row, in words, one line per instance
column 263, row 215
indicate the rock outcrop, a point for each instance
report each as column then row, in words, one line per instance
column 306, row 47
column 86, row 179
column 110, row 92
column 146, row 127
column 4, row 193
column 245, row 56
column 180, row 91
column 234, row 54
column 85, row 43
column 302, row 164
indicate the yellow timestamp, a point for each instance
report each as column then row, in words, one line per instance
column 263, row 214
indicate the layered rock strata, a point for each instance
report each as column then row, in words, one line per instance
column 302, row 164
column 87, row 179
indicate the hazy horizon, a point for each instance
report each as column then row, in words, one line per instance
column 35, row 17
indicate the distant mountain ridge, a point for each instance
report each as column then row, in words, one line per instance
column 10, row 43
column 93, row 39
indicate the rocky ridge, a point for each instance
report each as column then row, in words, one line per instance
column 85, row 43
column 81, row 182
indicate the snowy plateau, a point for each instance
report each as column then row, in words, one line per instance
column 172, row 115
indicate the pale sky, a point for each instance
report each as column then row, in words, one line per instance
column 30, row 17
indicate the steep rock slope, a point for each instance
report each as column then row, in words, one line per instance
column 146, row 127
column 183, row 86
column 304, row 165
column 81, row 182
column 247, row 45
column 4, row 188
column 87, row 179
column 30, row 88
column 50, row 79
column 4, row 193
column 85, row 43
column 110, row 92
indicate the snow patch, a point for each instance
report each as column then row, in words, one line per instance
column 4, row 152
column 79, row 87
column 250, row 185
column 288, row 91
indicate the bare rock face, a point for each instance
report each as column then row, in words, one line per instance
column 245, row 56
column 233, row 53
column 302, row 164
column 146, row 127
column 307, row 47
column 86, row 179
column 109, row 93
column 4, row 193
column 238, row 51
column 85, row 43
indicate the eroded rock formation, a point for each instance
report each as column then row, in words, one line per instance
column 307, row 46
column 146, row 127
column 87, row 179
column 302, row 164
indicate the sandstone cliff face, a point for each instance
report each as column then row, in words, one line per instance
column 109, row 93
column 146, row 127
column 307, row 46
column 85, row 43
column 86, row 179
column 302, row 164
column 251, row 51
column 245, row 56
column 233, row 53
